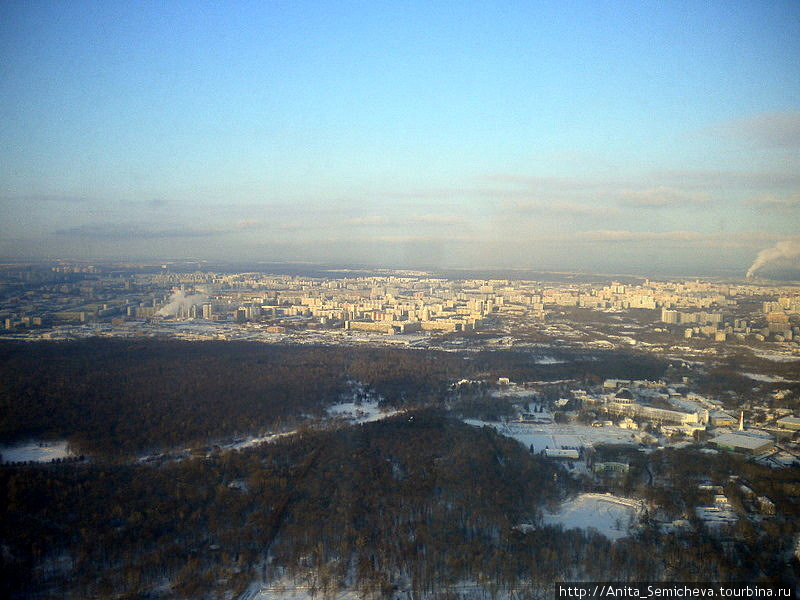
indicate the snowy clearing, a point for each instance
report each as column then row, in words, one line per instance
column 542, row 436
column 35, row 452
column 280, row 591
column 768, row 378
column 611, row 516
column 353, row 412
column 363, row 412
column 776, row 356
column 513, row 393
column 298, row 587
column 349, row 412
column 548, row 360
column 254, row 441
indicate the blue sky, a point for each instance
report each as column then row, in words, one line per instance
column 578, row 135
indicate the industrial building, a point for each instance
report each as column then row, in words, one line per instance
column 743, row 443
column 624, row 405
column 792, row 423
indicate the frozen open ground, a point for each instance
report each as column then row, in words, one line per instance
column 363, row 412
column 776, row 356
column 611, row 516
column 549, row 360
column 560, row 435
column 286, row 591
column 298, row 588
column 768, row 378
column 352, row 412
column 35, row 452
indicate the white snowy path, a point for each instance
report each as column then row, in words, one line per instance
column 281, row 592
column 35, row 452
column 350, row 412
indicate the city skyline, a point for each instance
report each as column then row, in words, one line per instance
column 580, row 136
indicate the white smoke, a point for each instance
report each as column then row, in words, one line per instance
column 179, row 300
column 787, row 249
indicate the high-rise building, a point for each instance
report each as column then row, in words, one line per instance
column 669, row 316
column 208, row 312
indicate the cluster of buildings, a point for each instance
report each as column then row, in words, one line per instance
column 653, row 402
column 391, row 302
column 655, row 409
column 377, row 304
column 671, row 410
column 773, row 323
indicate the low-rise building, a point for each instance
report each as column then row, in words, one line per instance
column 792, row 423
column 743, row 443
column 721, row 419
column 561, row 453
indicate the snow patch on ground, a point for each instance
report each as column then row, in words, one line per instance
column 298, row 587
column 777, row 356
column 286, row 590
column 354, row 412
column 513, row 393
column 35, row 452
column 363, row 412
column 280, row 592
column 611, row 516
column 768, row 378
column 254, row 441
column 548, row 360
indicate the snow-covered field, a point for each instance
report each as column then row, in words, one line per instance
column 518, row 393
column 559, row 435
column 254, row 441
column 281, row 591
column 299, row 587
column 35, row 452
column 611, row 516
column 353, row 412
column 768, row 378
column 776, row 356
column 364, row 412
column 548, row 360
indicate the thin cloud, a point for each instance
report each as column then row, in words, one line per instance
column 412, row 239
column 44, row 199
column 726, row 240
column 131, row 232
column 679, row 181
column 157, row 203
column 699, row 179
column 613, row 235
column 248, row 224
column 561, row 208
column 435, row 219
column 765, row 130
column 772, row 202
column 425, row 194
column 663, row 197
column 540, row 182
column 384, row 221
column 368, row 221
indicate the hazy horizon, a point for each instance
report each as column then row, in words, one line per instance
column 580, row 136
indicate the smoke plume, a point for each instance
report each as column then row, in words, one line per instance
column 180, row 300
column 787, row 249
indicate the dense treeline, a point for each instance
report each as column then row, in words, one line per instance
column 419, row 501
column 120, row 396
column 115, row 396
